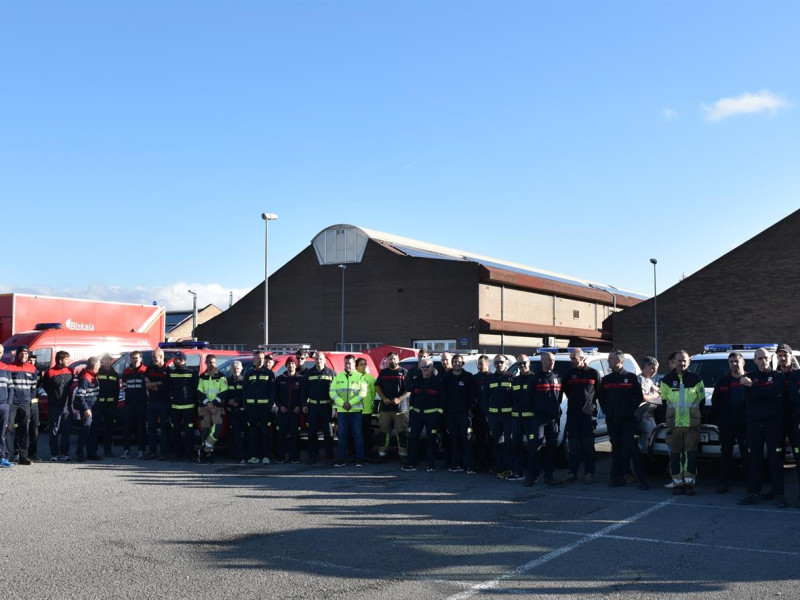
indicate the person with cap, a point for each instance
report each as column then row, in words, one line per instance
column 22, row 389
column 134, row 413
column 288, row 400
column 316, row 405
column 158, row 408
column 4, row 407
column 349, row 392
column 259, row 397
column 763, row 412
column 57, row 384
column 106, row 412
column 182, row 384
column 727, row 413
column 212, row 387
column 521, row 419
column 393, row 406
column 83, row 406
column 234, row 407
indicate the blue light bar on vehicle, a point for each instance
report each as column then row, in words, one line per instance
column 178, row 345
column 729, row 347
column 587, row 350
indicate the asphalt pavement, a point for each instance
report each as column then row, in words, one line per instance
column 137, row 529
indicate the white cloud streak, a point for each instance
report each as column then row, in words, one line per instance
column 669, row 114
column 745, row 104
column 174, row 297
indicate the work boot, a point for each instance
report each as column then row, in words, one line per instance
column 678, row 490
column 723, row 488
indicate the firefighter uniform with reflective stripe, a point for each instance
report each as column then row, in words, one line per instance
column 461, row 398
column 21, row 391
column 288, row 399
column 4, row 407
column 259, row 394
column 83, row 406
column 211, row 391
column 134, row 413
column 544, row 391
column 727, row 413
column 620, row 394
column 580, row 387
column 158, row 410
column 499, row 405
column 763, row 413
column 106, row 410
column 427, row 400
column 234, row 407
column 521, row 423
column 57, row 384
column 182, row 382
column 316, row 402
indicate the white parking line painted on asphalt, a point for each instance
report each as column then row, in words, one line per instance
column 529, row 566
column 626, row 538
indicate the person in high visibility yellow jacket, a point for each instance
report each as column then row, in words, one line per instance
column 349, row 392
column 683, row 393
column 212, row 387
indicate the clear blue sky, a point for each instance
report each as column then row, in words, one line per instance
column 140, row 141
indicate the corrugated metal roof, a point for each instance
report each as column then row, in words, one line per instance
column 420, row 249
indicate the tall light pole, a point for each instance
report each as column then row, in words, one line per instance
column 343, row 268
column 194, row 314
column 267, row 218
column 655, row 310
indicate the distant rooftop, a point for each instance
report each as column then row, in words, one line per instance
column 342, row 244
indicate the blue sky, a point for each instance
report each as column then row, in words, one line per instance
column 141, row 141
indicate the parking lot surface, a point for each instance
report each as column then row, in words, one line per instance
column 134, row 529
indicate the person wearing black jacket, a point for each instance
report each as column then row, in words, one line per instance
column 57, row 384
column 426, row 404
column 727, row 413
column 620, row 394
column 499, row 405
column 521, row 418
column 106, row 410
column 155, row 381
column 259, row 396
column 316, row 403
column 182, row 383
column 462, row 396
column 544, row 391
column 393, row 407
column 134, row 413
column 763, row 412
column 794, row 401
column 480, row 422
column 580, row 385
column 288, row 400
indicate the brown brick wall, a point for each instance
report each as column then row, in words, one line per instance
column 747, row 295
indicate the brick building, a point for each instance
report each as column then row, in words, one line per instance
column 745, row 296
column 410, row 293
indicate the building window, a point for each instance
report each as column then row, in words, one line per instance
column 576, row 314
column 435, row 345
column 357, row 346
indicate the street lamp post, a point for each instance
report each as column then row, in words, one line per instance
column 343, row 268
column 267, row 218
column 194, row 314
column 655, row 310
